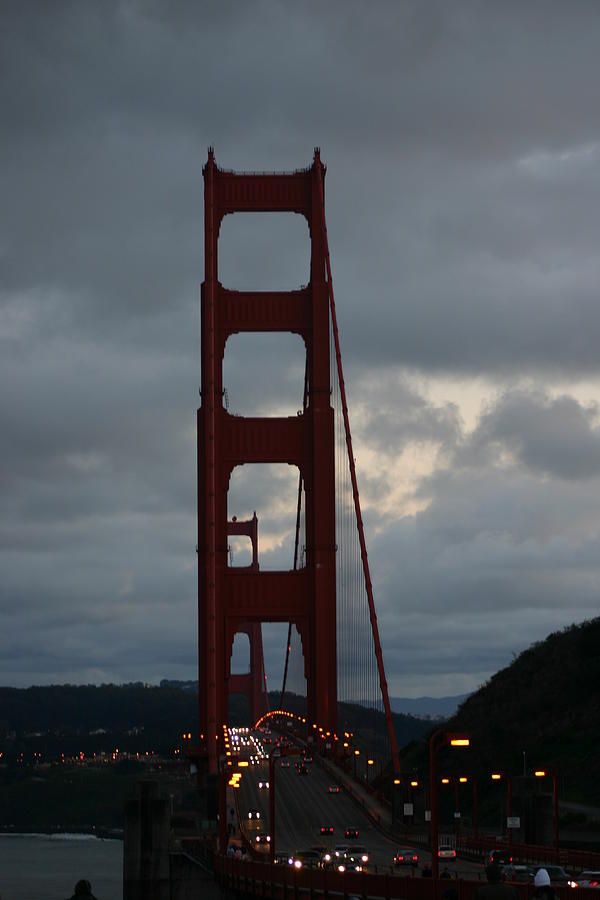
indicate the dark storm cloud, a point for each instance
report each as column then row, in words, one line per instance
column 462, row 196
column 557, row 437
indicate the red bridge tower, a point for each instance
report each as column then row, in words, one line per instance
column 229, row 598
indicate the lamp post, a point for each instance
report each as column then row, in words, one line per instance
column 413, row 784
column 438, row 740
column 370, row 764
column 541, row 773
column 356, row 755
column 498, row 776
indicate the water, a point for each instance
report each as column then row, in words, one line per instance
column 47, row 867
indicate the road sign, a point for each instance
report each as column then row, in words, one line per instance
column 428, row 815
column 408, row 809
column 457, row 815
column 513, row 822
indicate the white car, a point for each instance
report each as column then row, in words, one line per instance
column 445, row 851
column 263, row 784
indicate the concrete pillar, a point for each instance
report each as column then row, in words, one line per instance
column 146, row 845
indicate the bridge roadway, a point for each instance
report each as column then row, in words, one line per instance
column 303, row 804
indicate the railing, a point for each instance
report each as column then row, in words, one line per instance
column 280, row 882
column 531, row 853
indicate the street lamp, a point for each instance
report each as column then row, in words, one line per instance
column 438, row 740
column 498, row 776
column 370, row 763
column 356, row 755
column 541, row 773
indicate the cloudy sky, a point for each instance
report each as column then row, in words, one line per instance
column 462, row 146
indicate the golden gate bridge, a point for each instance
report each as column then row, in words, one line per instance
column 333, row 651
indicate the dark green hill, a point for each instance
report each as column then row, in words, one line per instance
column 545, row 705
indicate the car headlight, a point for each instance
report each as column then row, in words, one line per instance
column 297, row 863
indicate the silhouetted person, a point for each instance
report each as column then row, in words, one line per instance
column 83, row 891
column 495, row 889
column 543, row 888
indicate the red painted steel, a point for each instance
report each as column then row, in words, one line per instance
column 262, row 879
column 359, row 521
column 229, row 598
column 253, row 684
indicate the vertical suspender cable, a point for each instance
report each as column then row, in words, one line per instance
column 361, row 534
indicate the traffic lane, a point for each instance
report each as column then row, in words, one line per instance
column 303, row 804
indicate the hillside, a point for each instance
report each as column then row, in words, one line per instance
column 546, row 704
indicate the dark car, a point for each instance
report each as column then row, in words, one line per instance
column 326, row 829
column 557, row 874
column 589, row 878
column 499, row 858
column 351, row 832
column 350, row 864
column 302, row 770
column 524, row 874
column 406, row 856
column 306, row 859
column 359, row 853
column 262, row 838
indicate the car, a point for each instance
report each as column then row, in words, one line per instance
column 263, row 785
column 359, row 853
column 445, row 851
column 327, row 858
column 523, row 874
column 334, row 788
column 254, row 813
column 281, row 859
column 406, row 856
column 350, row 864
column 340, row 849
column 589, row 878
column 306, row 859
column 285, row 763
column 499, row 858
column 262, row 838
column 557, row 874
column 308, row 759
column 326, row 829
column 303, row 770
column 352, row 832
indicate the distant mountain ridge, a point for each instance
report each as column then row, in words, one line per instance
column 428, row 707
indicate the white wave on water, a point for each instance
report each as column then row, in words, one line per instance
column 58, row 836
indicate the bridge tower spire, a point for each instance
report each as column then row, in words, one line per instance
column 228, row 597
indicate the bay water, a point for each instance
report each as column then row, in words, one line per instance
column 47, row 867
